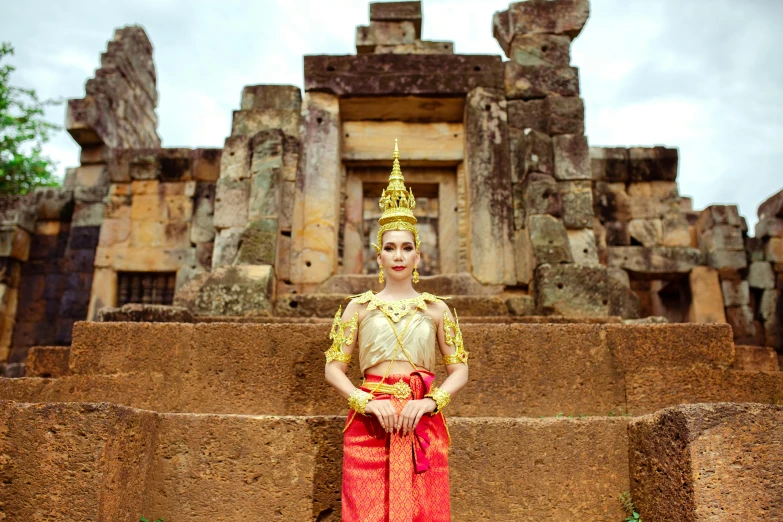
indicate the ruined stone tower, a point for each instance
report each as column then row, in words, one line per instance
column 195, row 281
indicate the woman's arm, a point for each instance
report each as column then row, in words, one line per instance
column 450, row 343
column 335, row 369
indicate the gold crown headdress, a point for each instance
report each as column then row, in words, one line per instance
column 397, row 204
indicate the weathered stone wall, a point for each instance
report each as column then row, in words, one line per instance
column 158, row 217
column 119, row 109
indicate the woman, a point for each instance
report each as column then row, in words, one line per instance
column 395, row 463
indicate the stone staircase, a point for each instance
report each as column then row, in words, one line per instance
column 231, row 421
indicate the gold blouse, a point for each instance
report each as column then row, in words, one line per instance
column 385, row 322
column 377, row 342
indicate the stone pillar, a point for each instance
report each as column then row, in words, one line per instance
column 318, row 191
column 766, row 271
column 491, row 252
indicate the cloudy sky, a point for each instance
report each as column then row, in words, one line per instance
column 701, row 75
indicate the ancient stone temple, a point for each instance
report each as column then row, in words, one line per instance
column 164, row 312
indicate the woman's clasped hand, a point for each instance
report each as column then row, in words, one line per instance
column 404, row 422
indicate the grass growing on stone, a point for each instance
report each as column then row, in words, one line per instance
column 633, row 515
column 144, row 519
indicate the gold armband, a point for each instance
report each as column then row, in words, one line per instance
column 338, row 337
column 441, row 398
column 454, row 339
column 358, row 400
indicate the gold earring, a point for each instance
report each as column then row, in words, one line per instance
column 380, row 274
column 416, row 274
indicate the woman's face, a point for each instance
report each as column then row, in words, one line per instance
column 398, row 254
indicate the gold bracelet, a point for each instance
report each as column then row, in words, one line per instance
column 441, row 398
column 358, row 400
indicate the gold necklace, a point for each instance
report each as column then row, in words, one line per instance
column 399, row 308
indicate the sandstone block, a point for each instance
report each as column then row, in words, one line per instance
column 178, row 209
column 145, row 313
column 231, row 203
column 566, row 115
column 719, row 215
column 249, row 122
column 47, row 361
column 487, row 163
column 755, row 359
column 648, row 232
column 226, row 246
column 87, row 215
column 148, row 208
column 114, row 232
column 539, row 196
column 236, row 290
column 548, row 240
column 735, row 293
column 528, row 114
column 235, row 160
column 684, row 461
column 204, row 255
column 769, row 227
column 770, row 304
column 384, row 33
column 610, row 164
column 655, row 260
column 203, row 227
column 397, row 12
column 617, row 233
column 521, row 305
column 528, row 82
column 524, row 260
column 206, row 164
column 761, row 275
column 174, row 164
column 572, row 157
column 501, row 30
column 754, row 247
column 583, row 246
column 258, row 243
column 622, row 300
column 317, row 217
column 772, row 208
column 390, row 74
column 280, row 97
column 266, row 169
column 54, row 204
column 773, row 251
column 676, row 231
column 566, row 17
column 144, row 259
column 653, row 164
column 417, row 47
column 572, row 290
column 706, row 298
column 531, row 151
column 577, row 201
column 741, row 320
column 541, row 50
column 727, row 259
column 721, row 237
column 176, row 235
column 92, row 183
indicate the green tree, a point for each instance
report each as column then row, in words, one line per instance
column 23, row 131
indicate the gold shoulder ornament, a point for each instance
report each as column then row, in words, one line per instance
column 338, row 337
column 454, row 339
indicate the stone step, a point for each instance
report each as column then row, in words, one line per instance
column 99, row 461
column 515, row 369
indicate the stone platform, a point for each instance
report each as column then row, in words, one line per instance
column 87, row 461
column 516, row 369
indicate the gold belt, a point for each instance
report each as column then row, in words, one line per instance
column 399, row 389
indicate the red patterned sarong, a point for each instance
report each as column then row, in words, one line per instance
column 393, row 478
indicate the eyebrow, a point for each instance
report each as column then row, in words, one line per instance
column 392, row 243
